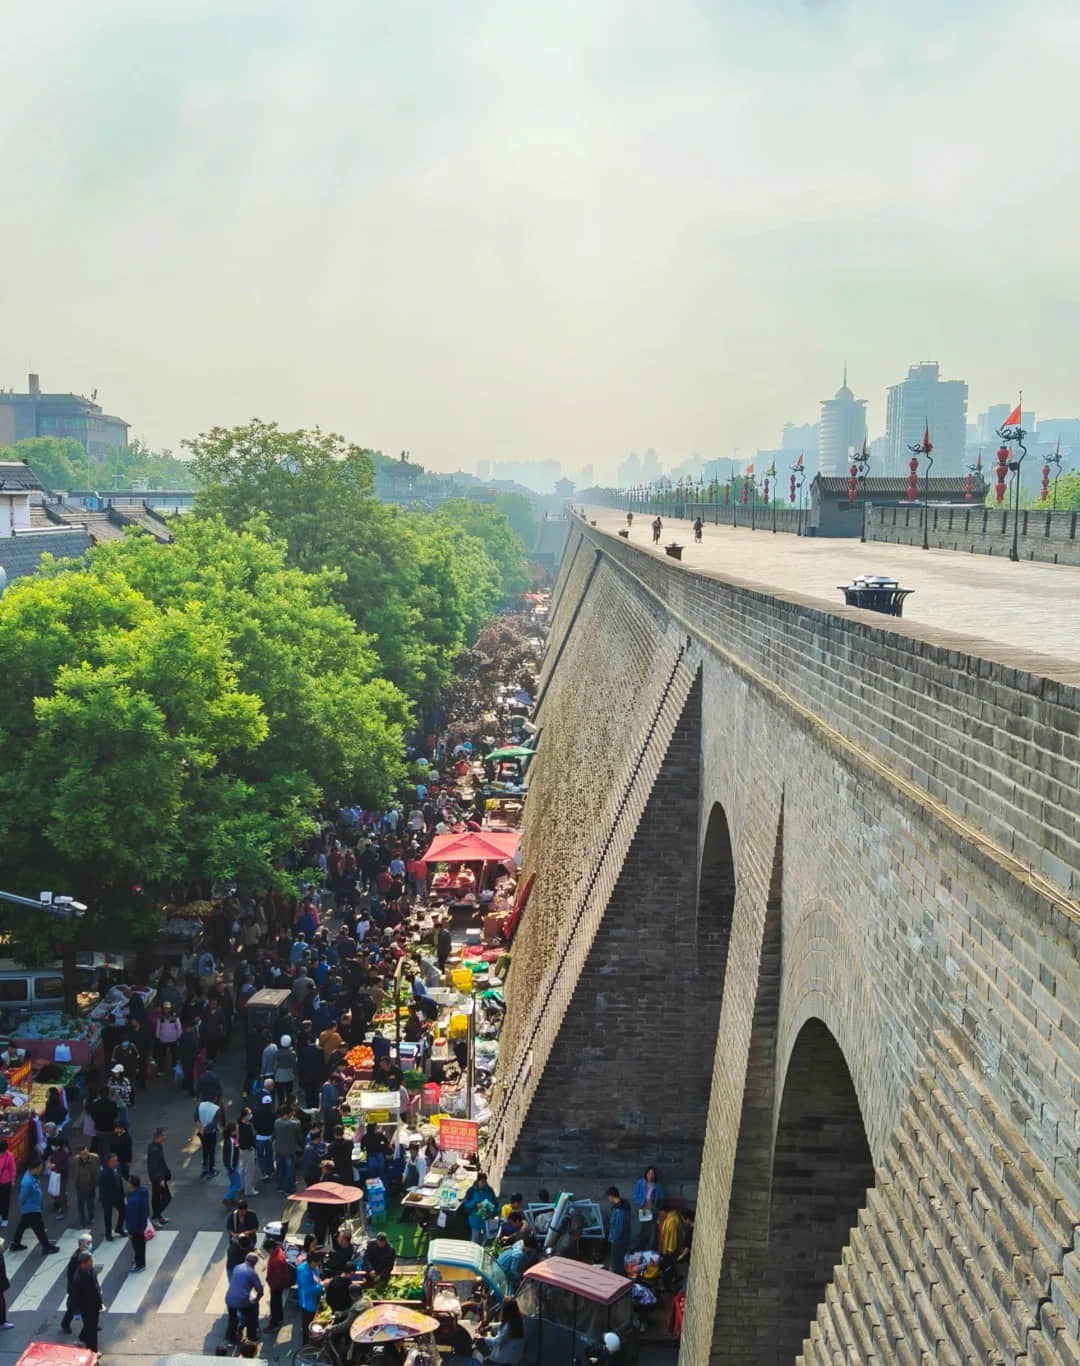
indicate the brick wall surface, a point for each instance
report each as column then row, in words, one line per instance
column 1050, row 536
column 883, row 896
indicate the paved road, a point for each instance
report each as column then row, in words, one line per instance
column 178, row 1303
column 1021, row 609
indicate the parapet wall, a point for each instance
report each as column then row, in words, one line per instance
column 1053, row 537
column 994, row 744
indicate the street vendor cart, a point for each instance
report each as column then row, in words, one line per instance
column 266, row 1009
column 568, row 1306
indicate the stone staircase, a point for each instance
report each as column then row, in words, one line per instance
column 967, row 1250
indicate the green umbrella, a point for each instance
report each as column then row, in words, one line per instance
column 511, row 752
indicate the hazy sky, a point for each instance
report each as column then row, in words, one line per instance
column 560, row 228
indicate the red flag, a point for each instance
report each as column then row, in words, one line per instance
column 798, row 463
column 748, row 472
column 1013, row 420
column 926, row 443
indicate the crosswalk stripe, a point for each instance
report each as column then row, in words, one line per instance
column 135, row 1286
column 105, row 1256
column 188, row 1275
column 216, row 1302
column 33, row 1293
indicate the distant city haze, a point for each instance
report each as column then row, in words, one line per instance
column 542, row 232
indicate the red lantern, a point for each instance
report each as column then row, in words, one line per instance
column 913, row 481
column 727, row 494
column 765, row 497
column 852, row 475
column 969, row 486
column 1001, row 472
column 1045, row 494
column 745, row 491
column 791, row 496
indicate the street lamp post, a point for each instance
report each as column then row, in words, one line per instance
column 924, row 447
column 1055, row 460
column 861, row 463
column 1013, row 435
column 798, row 473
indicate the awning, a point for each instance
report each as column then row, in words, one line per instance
column 511, row 752
column 473, row 846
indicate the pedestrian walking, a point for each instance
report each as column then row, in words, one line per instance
column 242, row 1299
column 263, row 1121
column 4, row 1284
column 136, row 1218
column 86, row 1244
column 166, row 1037
column 85, row 1300
column 57, row 1159
column 279, row 1277
column 618, row 1230
column 208, row 1124
column 111, row 1188
column 288, row 1142
column 285, row 1070
column 158, row 1175
column 85, row 1175
column 7, row 1180
column 245, row 1142
column 230, row 1160
column 309, row 1289
column 30, row 1211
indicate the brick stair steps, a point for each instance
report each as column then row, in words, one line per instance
column 1009, row 1248
column 894, row 1245
column 968, row 1245
column 1032, row 1185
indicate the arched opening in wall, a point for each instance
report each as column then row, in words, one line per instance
column 715, row 899
column 821, row 1171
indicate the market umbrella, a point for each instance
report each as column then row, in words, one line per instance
column 330, row 1193
column 511, row 752
column 473, row 846
column 391, row 1323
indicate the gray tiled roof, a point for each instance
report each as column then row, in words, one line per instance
column 21, row 555
column 894, row 485
column 17, row 474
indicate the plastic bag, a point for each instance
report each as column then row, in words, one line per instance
column 149, row 1231
column 55, row 1182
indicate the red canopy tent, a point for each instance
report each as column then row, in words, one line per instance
column 473, row 846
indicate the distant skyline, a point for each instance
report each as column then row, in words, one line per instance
column 518, row 233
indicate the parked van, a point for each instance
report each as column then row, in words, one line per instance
column 36, row 989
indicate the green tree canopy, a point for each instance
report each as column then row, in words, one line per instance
column 492, row 529
column 172, row 712
column 58, row 462
column 416, row 594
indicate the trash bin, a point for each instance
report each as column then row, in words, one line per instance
column 875, row 593
column 674, row 550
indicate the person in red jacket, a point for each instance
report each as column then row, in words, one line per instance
column 279, row 1276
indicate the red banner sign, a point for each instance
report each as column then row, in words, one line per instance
column 459, row 1135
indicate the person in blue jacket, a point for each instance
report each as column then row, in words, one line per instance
column 618, row 1230
column 309, row 1289
column 477, row 1196
column 648, row 1192
column 136, row 1218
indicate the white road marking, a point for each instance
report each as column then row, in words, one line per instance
column 104, row 1260
column 32, row 1295
column 134, row 1289
column 188, row 1275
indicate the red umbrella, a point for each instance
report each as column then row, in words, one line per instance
column 330, row 1193
column 473, row 846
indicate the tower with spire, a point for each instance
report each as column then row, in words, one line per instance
column 843, row 429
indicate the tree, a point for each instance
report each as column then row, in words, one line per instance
column 413, row 594
column 58, row 462
column 518, row 512
column 1068, row 494
column 492, row 529
column 171, row 713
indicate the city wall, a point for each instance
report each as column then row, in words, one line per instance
column 1050, row 536
column 805, row 932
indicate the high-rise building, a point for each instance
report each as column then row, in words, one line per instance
column 924, row 400
column 987, row 424
column 843, row 429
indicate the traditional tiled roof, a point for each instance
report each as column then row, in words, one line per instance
column 894, row 486
column 17, row 474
